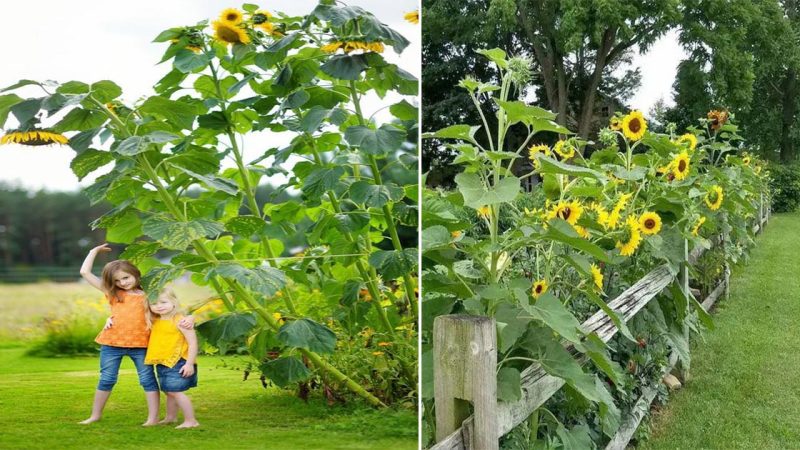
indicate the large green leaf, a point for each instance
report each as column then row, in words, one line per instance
column 384, row 140
column 80, row 120
column 6, row 102
column 226, row 329
column 322, row 180
column 188, row 61
column 462, row 132
column 476, row 194
column 561, row 231
column 264, row 280
column 139, row 250
column 178, row 235
column 133, row 146
column 104, row 91
column 305, row 333
column 375, row 196
column 345, row 67
column 155, row 279
column 245, row 226
column 520, row 112
column 285, row 371
column 88, row 161
column 221, row 184
column 393, row 264
column 550, row 165
column 177, row 113
column 435, row 237
column 555, row 315
column 126, row 229
column 508, row 385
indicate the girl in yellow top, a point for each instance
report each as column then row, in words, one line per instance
column 126, row 332
column 174, row 351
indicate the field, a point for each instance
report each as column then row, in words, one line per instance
column 43, row 399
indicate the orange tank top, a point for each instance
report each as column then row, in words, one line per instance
column 130, row 327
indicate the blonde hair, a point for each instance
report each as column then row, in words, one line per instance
column 112, row 268
column 166, row 293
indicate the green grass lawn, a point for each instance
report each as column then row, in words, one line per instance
column 41, row 401
column 745, row 390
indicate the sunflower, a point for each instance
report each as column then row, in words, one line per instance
column 613, row 218
column 412, row 17
column 33, row 138
column 650, row 223
column 680, row 166
column 582, row 232
column 602, row 214
column 570, row 212
column 536, row 149
column 484, row 211
column 456, row 234
column 564, row 149
column 278, row 317
column 714, row 198
column 350, row 46
column 332, row 47
column 716, row 119
column 376, row 47
column 634, row 238
column 597, row 276
column 688, row 138
column 746, row 160
column 758, row 170
column 634, row 125
column 267, row 27
column 231, row 15
column 697, row 225
column 615, row 123
column 229, row 33
column 539, row 288
column 261, row 16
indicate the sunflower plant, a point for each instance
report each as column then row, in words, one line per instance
column 606, row 220
column 247, row 71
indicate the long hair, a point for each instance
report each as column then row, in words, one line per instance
column 112, row 268
column 169, row 294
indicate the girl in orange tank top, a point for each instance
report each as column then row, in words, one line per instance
column 126, row 332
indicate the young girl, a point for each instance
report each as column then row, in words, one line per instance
column 125, row 333
column 174, row 351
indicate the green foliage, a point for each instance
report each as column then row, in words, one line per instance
column 784, row 183
column 67, row 336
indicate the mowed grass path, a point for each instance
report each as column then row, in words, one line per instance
column 745, row 387
column 41, row 401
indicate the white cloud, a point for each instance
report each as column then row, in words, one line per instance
column 94, row 40
column 659, row 67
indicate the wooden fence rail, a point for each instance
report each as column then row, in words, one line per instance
column 465, row 359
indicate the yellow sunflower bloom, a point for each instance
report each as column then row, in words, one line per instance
column 680, row 166
column 746, row 160
column 261, row 16
column 332, row 47
column 697, row 225
column 412, row 17
column 34, row 138
column 650, row 223
column 569, row 211
column 602, row 215
column 597, row 276
column 484, row 211
column 615, row 123
column 713, row 198
column 634, row 125
column 278, row 317
column 267, row 27
column 229, row 34
column 564, row 149
column 688, row 138
column 231, row 15
column 634, row 238
column 539, row 288
column 535, row 150
column 456, row 234
column 582, row 232
column 376, row 47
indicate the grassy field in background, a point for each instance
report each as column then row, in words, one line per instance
column 745, row 386
column 41, row 399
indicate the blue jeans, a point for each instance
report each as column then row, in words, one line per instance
column 110, row 359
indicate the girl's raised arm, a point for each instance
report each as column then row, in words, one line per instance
column 86, row 268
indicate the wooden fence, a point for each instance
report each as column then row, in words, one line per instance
column 465, row 360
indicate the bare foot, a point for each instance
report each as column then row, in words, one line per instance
column 167, row 421
column 150, row 423
column 188, row 424
column 89, row 420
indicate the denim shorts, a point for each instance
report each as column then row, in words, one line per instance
column 171, row 380
column 110, row 359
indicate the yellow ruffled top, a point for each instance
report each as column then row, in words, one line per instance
column 167, row 343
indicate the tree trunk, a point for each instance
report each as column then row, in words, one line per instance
column 601, row 60
column 789, row 110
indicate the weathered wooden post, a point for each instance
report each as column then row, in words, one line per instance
column 683, row 278
column 464, row 365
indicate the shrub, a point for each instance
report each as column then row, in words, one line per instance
column 784, row 184
column 70, row 336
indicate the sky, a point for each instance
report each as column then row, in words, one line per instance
column 94, row 40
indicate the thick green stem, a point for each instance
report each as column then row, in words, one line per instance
column 387, row 211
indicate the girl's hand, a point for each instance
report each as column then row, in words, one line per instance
column 187, row 370
column 101, row 248
column 187, row 323
column 109, row 323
